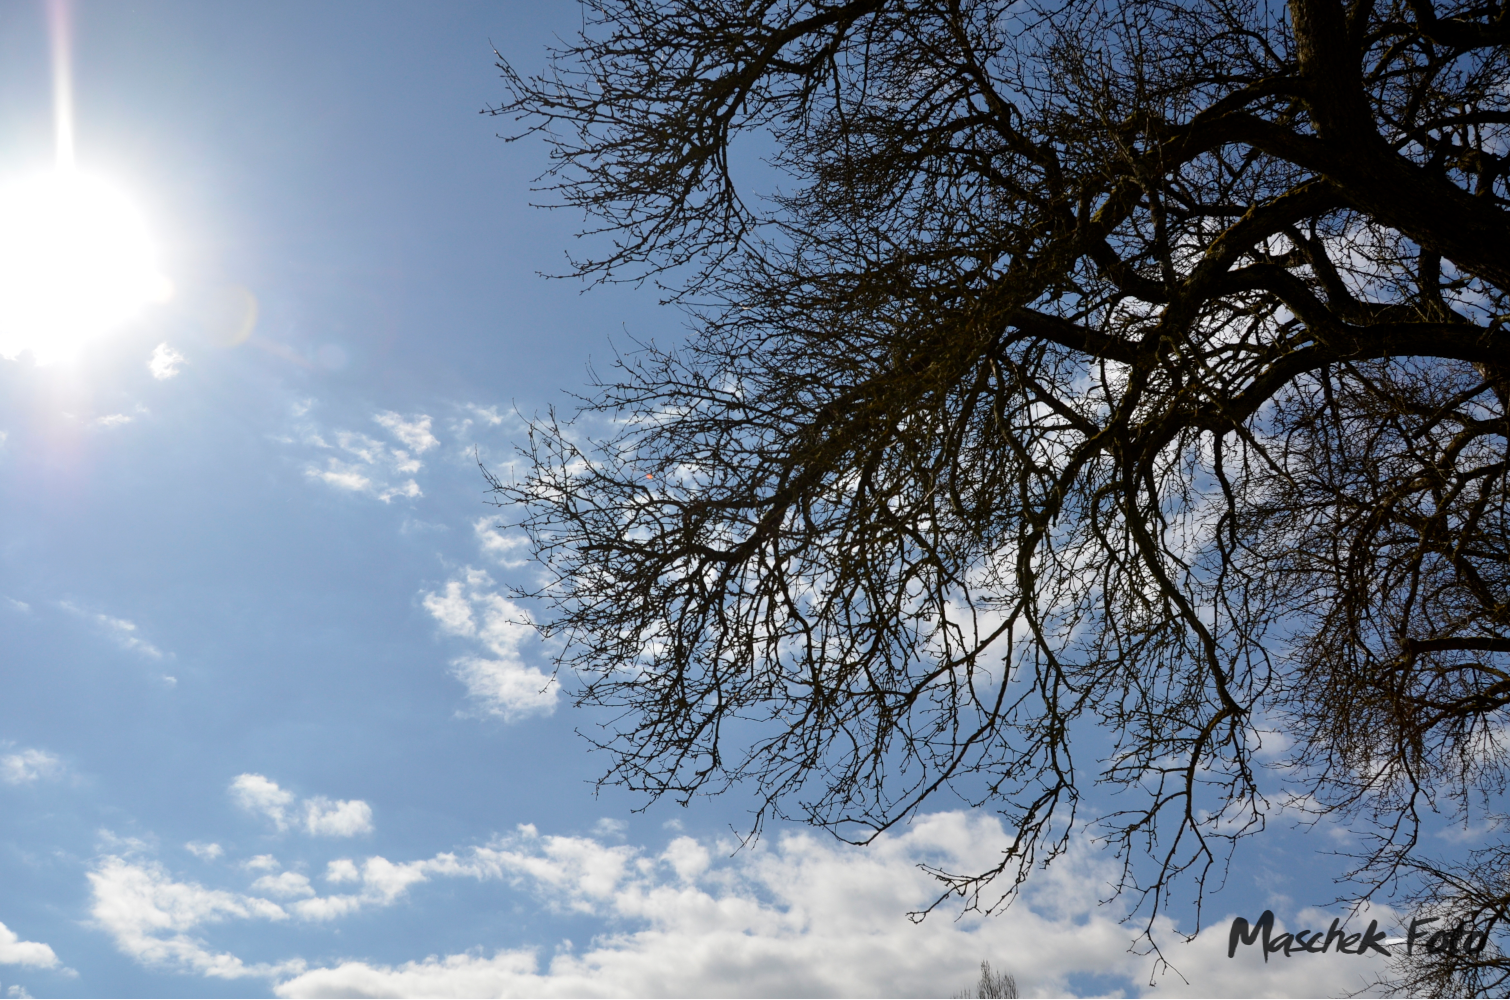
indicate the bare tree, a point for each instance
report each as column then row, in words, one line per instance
column 1102, row 388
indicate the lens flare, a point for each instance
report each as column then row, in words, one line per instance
column 76, row 262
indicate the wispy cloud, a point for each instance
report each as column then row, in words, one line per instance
column 485, row 414
column 342, row 476
column 284, row 885
column 478, row 416
column 508, row 550
column 317, row 816
column 503, row 685
column 366, row 464
column 125, row 633
column 164, row 362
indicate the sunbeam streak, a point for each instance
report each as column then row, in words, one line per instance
column 60, row 26
column 76, row 258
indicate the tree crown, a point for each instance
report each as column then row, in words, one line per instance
column 1118, row 370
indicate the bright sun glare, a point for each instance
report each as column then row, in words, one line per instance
column 76, row 261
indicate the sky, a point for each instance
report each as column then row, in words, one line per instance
column 269, row 722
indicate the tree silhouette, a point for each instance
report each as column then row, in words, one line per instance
column 1103, row 392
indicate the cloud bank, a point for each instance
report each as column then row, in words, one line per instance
column 800, row 915
column 808, row 917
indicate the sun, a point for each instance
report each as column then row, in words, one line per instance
column 76, row 262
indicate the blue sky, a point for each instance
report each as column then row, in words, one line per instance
column 266, row 726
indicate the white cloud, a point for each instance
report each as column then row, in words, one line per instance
column 414, row 432
column 150, row 915
column 342, row 870
column 452, row 976
column 346, row 818
column 16, row 605
column 506, row 688
column 687, row 858
column 261, row 862
column 382, row 882
column 503, row 685
column 26, row 766
column 14, row 951
column 203, row 851
column 452, row 609
column 318, row 816
column 257, row 794
column 111, row 420
column 165, row 361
